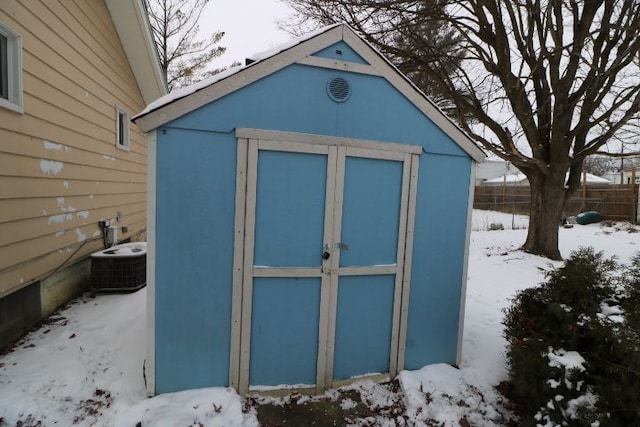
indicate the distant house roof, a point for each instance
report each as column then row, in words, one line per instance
column 521, row 179
column 132, row 24
column 492, row 168
column 512, row 178
column 299, row 50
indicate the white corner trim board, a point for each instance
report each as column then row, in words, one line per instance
column 465, row 264
column 150, row 363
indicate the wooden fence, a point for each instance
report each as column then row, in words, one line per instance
column 614, row 202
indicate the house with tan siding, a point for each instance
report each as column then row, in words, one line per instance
column 72, row 73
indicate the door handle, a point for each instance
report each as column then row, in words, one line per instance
column 326, row 255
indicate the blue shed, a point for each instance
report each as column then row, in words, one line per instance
column 308, row 223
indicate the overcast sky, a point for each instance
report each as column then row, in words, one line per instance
column 249, row 25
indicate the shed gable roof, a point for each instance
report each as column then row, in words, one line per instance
column 302, row 51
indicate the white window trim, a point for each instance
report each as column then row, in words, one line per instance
column 125, row 122
column 14, row 70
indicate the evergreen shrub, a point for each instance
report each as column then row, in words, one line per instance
column 573, row 344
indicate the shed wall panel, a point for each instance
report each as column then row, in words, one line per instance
column 285, row 311
column 286, row 237
column 194, row 260
column 438, row 256
column 367, row 183
column 363, row 325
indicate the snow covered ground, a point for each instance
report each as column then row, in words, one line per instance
column 84, row 365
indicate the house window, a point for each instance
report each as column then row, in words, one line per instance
column 122, row 129
column 4, row 78
column 10, row 69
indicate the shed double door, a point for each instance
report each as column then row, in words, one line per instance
column 324, row 236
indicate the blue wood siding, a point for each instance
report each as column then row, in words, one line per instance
column 295, row 99
column 341, row 51
column 195, row 220
column 363, row 325
column 436, row 275
column 286, row 312
column 287, row 237
column 371, row 212
column 194, row 259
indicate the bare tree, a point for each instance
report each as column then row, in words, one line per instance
column 540, row 83
column 381, row 23
column 184, row 59
column 599, row 165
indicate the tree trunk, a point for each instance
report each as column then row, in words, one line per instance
column 548, row 196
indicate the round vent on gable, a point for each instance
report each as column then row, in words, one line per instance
column 338, row 89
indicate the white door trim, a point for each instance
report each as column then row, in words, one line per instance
column 408, row 256
column 247, row 277
column 335, row 263
column 269, row 135
column 238, row 261
column 327, row 265
column 398, row 287
column 337, row 150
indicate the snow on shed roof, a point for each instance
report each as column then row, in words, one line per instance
column 186, row 91
column 259, row 56
column 299, row 50
column 252, row 61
